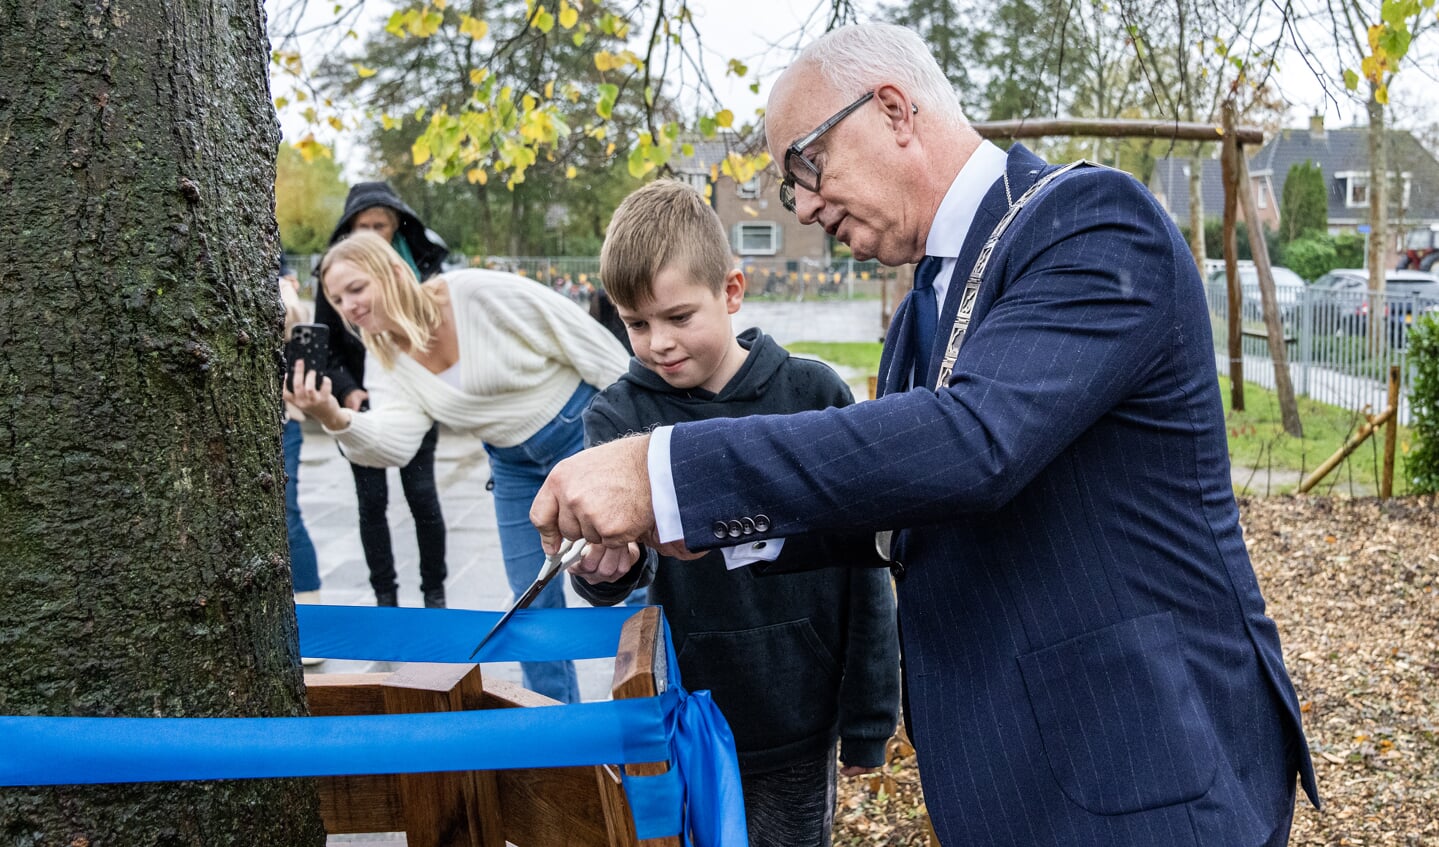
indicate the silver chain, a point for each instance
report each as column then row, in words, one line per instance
column 971, row 287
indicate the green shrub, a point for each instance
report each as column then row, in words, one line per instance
column 1423, row 462
column 1311, row 257
column 1349, row 250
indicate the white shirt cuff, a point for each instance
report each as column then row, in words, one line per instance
column 663, row 498
column 755, row 551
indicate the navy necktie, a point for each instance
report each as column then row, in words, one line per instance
column 926, row 316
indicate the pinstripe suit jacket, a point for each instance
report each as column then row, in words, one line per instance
column 1087, row 656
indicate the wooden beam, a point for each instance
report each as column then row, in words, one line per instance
column 1116, row 128
column 641, row 668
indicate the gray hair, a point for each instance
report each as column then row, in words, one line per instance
column 856, row 58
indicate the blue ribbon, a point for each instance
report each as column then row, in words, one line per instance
column 700, row 794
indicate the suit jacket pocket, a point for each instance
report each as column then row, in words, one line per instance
column 1120, row 718
column 776, row 684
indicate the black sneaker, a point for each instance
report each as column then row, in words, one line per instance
column 435, row 598
column 387, row 598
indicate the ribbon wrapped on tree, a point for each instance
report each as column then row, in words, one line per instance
column 698, row 796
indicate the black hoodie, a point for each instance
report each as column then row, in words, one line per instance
column 794, row 660
column 347, row 353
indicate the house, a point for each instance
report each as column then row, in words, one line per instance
column 1342, row 156
column 761, row 231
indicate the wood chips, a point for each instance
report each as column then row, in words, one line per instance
column 1353, row 585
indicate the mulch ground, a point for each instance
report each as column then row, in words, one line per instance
column 1354, row 588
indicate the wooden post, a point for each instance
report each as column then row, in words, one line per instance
column 1288, row 406
column 640, row 671
column 1229, row 153
column 1391, row 435
column 1349, row 447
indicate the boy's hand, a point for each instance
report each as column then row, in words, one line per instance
column 605, row 564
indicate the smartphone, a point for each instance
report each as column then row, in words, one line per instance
column 310, row 342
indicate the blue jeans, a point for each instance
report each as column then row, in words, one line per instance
column 518, row 472
column 304, row 567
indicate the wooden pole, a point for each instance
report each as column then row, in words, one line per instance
column 1288, row 406
column 1391, row 435
column 1229, row 153
column 1117, row 128
column 1343, row 452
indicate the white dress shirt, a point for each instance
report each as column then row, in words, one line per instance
column 946, row 237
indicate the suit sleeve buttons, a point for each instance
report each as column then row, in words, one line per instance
column 735, row 530
column 721, row 529
column 747, row 526
column 761, row 523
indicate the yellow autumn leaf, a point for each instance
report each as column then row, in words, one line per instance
column 550, row 90
column 478, row 75
column 724, row 118
column 281, row 102
column 440, row 4
column 388, row 122
column 477, row 175
column 473, row 27
column 610, row 150
column 570, row 172
column 568, row 16
column 364, row 72
column 336, row 123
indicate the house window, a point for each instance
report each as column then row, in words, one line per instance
column 1356, row 189
column 699, row 181
column 757, row 238
column 1261, row 195
column 749, row 189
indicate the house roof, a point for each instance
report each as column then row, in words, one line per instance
column 712, row 151
column 1336, row 151
column 1346, row 149
column 1170, row 182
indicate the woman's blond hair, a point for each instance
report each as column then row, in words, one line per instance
column 412, row 309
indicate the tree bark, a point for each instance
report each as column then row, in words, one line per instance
column 1377, row 247
column 141, row 512
column 1196, row 210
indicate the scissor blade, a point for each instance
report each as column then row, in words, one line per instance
column 566, row 555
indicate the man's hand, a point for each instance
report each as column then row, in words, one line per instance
column 605, row 564
column 601, row 495
column 855, row 770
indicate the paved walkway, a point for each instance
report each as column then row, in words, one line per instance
column 476, row 580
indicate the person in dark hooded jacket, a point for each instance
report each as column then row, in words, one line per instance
column 374, row 206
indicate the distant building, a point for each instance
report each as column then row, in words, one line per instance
column 1342, row 156
column 760, row 228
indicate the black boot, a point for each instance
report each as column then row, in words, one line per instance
column 387, row 598
column 435, row 598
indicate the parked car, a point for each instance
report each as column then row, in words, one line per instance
column 1288, row 290
column 1342, row 304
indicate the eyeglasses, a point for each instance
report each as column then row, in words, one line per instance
column 801, row 171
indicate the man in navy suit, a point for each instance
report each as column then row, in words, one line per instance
column 1087, row 657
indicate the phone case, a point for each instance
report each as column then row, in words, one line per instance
column 310, row 342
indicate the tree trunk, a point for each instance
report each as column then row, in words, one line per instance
column 141, row 513
column 1196, row 209
column 1377, row 248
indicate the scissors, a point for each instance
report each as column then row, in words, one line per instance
column 569, row 553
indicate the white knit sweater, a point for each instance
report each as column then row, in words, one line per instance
column 524, row 349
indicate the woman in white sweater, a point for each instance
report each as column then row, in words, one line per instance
column 481, row 351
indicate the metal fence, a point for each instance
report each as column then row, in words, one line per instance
column 578, row 276
column 1340, row 344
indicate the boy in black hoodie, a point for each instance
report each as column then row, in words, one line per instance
column 794, row 660
column 375, row 206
